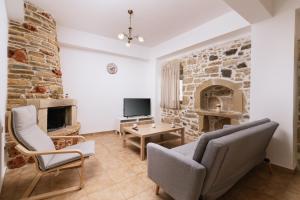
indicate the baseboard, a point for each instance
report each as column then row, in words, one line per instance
column 2, row 178
column 283, row 169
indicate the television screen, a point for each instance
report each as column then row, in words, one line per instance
column 136, row 107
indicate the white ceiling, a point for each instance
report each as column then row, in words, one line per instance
column 155, row 20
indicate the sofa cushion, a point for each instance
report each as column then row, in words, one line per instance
column 30, row 135
column 187, row 149
column 206, row 137
column 87, row 148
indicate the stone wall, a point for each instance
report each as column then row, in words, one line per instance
column 33, row 67
column 298, row 105
column 33, row 51
column 228, row 61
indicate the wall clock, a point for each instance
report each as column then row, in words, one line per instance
column 112, row 68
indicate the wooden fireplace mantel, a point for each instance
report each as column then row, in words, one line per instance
column 227, row 114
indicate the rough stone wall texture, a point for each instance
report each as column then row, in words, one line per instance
column 33, row 67
column 34, row 64
column 298, row 101
column 229, row 61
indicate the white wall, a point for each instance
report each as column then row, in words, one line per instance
column 272, row 79
column 99, row 94
column 3, row 79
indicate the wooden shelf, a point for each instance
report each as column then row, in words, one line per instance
column 228, row 114
column 161, row 139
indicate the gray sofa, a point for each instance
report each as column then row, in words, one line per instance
column 209, row 167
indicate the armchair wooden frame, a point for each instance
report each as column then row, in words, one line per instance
column 71, row 165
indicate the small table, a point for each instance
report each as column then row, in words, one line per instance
column 138, row 137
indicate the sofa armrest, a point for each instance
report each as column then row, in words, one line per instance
column 179, row 176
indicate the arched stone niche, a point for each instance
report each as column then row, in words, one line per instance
column 218, row 99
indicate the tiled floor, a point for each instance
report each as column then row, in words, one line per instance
column 116, row 173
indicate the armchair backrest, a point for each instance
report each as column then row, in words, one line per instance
column 28, row 134
column 230, row 157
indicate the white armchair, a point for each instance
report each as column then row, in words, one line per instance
column 32, row 141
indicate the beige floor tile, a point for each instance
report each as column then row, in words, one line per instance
column 110, row 193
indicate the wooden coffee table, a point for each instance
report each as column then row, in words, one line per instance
column 162, row 133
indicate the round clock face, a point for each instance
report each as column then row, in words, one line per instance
column 112, row 68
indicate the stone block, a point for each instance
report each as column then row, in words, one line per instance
column 230, row 52
column 226, row 73
column 212, row 70
column 213, row 57
column 187, row 80
column 241, row 65
column 190, row 87
column 18, row 82
column 29, row 27
column 247, row 46
column 18, row 55
column 192, row 61
column 246, row 84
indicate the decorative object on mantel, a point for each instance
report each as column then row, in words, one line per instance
column 112, row 68
column 129, row 35
column 66, row 96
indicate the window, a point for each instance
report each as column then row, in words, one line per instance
column 181, row 84
column 180, row 90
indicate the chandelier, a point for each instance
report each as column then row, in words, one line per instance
column 129, row 36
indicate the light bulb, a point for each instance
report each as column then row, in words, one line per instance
column 121, row 36
column 141, row 39
column 128, row 44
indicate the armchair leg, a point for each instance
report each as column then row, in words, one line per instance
column 32, row 185
column 157, row 190
column 268, row 162
column 81, row 176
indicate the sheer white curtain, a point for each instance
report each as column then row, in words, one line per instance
column 170, row 76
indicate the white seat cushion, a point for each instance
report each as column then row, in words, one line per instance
column 87, row 148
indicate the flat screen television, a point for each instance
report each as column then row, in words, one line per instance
column 136, row 107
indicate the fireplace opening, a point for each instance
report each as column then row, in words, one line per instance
column 56, row 118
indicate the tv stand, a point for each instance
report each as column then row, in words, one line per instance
column 129, row 121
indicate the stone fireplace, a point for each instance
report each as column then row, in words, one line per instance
column 218, row 102
column 35, row 78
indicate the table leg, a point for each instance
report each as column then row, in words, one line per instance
column 123, row 134
column 161, row 137
column 182, row 136
column 142, row 150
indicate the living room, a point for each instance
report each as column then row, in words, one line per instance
column 150, row 100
